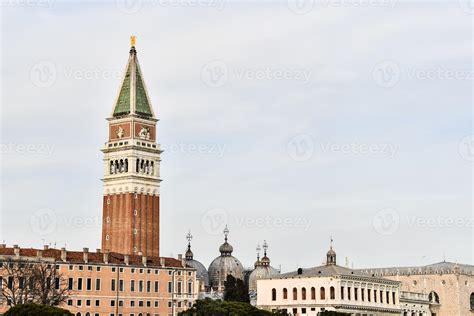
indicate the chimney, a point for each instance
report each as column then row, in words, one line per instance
column 180, row 258
column 97, row 250
column 63, row 254
column 106, row 257
column 85, row 253
column 39, row 253
column 144, row 261
column 162, row 262
column 45, row 247
column 126, row 259
column 16, row 250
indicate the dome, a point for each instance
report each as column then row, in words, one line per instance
column 262, row 269
column 260, row 272
column 201, row 272
column 226, row 249
column 224, row 265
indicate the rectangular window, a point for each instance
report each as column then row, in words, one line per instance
column 375, row 296
column 120, row 303
column 170, row 287
column 89, row 284
column 381, row 296
column 70, row 284
column 56, row 283
column 362, row 294
column 342, row 292
column 132, row 285
column 356, row 294
column 121, row 285
column 368, row 295
column 393, row 297
column 97, row 284
column 79, row 303
column 112, row 303
column 148, row 304
column 190, row 287
column 349, row 293
column 156, row 303
column 132, row 303
column 88, row 302
column 179, row 288
column 89, row 268
column 387, row 297
column 112, row 285
column 140, row 286
column 10, row 282
column 148, row 286
column 97, row 303
column 157, row 286
column 69, row 302
column 140, row 303
column 79, row 284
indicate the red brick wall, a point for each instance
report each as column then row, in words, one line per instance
column 123, row 221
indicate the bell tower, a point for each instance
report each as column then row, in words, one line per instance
column 131, row 201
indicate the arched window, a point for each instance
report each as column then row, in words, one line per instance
column 142, row 166
column 285, row 293
column 138, row 165
column 433, row 297
column 116, row 166
column 112, row 167
column 274, row 294
column 126, row 165
column 78, row 314
column 147, row 164
column 295, row 294
column 152, row 168
column 313, row 293
column 322, row 293
column 88, row 314
column 332, row 293
column 303, row 293
column 472, row 301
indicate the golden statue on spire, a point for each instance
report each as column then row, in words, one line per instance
column 132, row 40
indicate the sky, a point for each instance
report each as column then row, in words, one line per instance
column 290, row 122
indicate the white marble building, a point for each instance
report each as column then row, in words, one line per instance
column 332, row 288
